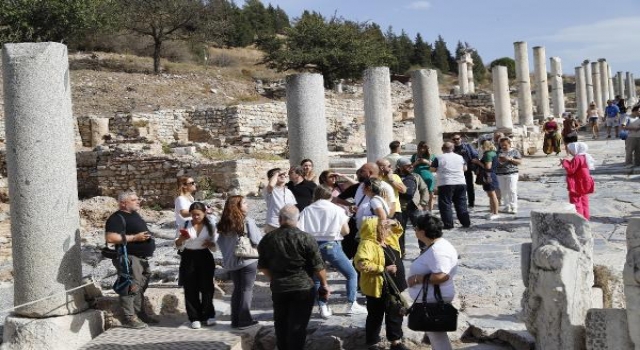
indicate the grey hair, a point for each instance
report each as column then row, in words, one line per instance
column 289, row 213
column 123, row 196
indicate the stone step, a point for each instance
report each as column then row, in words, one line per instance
column 346, row 171
column 347, row 162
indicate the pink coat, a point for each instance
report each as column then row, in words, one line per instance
column 579, row 181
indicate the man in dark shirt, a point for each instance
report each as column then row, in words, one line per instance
column 468, row 153
column 290, row 257
column 302, row 189
column 140, row 247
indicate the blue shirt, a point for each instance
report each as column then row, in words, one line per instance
column 612, row 111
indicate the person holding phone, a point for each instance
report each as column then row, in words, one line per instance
column 186, row 189
column 196, row 240
column 509, row 159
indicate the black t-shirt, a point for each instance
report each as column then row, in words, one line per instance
column 303, row 192
column 350, row 192
column 392, row 257
column 134, row 224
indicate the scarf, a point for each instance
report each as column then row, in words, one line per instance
column 577, row 148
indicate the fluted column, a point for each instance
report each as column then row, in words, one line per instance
column 597, row 87
column 463, row 76
column 604, row 82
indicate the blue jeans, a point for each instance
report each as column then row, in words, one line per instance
column 456, row 196
column 332, row 253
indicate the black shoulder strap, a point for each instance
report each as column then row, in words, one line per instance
column 186, row 223
column 124, row 230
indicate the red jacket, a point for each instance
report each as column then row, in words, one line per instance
column 579, row 181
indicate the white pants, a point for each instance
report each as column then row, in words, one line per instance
column 509, row 189
column 439, row 340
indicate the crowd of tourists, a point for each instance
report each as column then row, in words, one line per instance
column 357, row 226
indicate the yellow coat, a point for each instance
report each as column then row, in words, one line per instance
column 369, row 259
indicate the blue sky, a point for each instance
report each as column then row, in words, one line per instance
column 573, row 30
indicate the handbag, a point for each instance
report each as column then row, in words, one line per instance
column 432, row 317
column 394, row 303
column 480, row 177
column 244, row 248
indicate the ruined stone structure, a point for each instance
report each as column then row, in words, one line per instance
column 377, row 112
column 472, row 83
column 620, row 85
column 427, row 108
column 557, row 89
column 557, row 271
column 524, row 83
column 631, row 277
column 463, row 75
column 542, row 88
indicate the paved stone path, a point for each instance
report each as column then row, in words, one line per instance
column 489, row 282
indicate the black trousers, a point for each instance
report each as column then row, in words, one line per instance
column 471, row 193
column 453, row 195
column 291, row 314
column 375, row 316
column 197, row 269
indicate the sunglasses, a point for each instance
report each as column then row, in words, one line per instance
column 190, row 183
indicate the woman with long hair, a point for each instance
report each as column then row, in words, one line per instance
column 186, row 189
column 233, row 224
column 197, row 268
column 421, row 165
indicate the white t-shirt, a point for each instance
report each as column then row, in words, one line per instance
column 276, row 200
column 360, row 194
column 368, row 209
column 450, row 170
column 323, row 220
column 441, row 257
column 181, row 203
column 196, row 241
column 634, row 123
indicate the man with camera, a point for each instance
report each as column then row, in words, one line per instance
column 140, row 247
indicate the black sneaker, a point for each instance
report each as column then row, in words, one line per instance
column 134, row 322
column 148, row 318
column 398, row 346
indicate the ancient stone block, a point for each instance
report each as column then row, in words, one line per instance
column 631, row 278
column 607, row 330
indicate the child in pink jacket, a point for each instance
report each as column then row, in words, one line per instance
column 579, row 181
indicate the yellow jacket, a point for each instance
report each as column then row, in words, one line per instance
column 369, row 259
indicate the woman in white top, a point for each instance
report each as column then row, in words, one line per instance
column 197, row 268
column 185, row 190
column 592, row 116
column 440, row 263
column 377, row 204
column 328, row 223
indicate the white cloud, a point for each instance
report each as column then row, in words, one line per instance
column 418, row 5
column 614, row 39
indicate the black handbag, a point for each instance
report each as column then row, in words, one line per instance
column 394, row 303
column 432, row 317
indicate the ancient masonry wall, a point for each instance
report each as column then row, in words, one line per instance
column 470, row 100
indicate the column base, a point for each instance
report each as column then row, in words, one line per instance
column 52, row 333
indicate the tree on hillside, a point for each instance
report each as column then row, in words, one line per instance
column 441, row 57
column 479, row 70
column 507, row 62
column 164, row 20
column 402, row 50
column 51, row 20
column 279, row 19
column 421, row 53
column 336, row 48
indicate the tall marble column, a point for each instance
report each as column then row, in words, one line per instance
column 463, row 76
column 427, row 108
column 557, row 89
column 378, row 119
column 524, row 83
column 620, row 85
column 588, row 80
column 540, row 74
column 612, row 93
column 597, row 87
column 581, row 95
column 604, row 82
column 472, row 83
column 502, row 100
column 307, row 123
column 631, row 86
column 39, row 128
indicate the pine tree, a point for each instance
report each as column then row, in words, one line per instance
column 421, row 53
column 441, row 57
column 402, row 49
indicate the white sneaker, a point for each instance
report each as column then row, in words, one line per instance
column 357, row 309
column 196, row 325
column 212, row 321
column 514, row 210
column 493, row 216
column 506, row 209
column 325, row 311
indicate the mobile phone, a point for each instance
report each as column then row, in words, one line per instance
column 184, row 233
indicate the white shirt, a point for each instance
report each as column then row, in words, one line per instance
column 361, row 197
column 368, row 209
column 276, row 200
column 323, row 220
column 181, row 203
column 441, row 257
column 450, row 169
column 196, row 241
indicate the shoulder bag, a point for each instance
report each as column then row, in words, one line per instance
column 394, row 303
column 432, row 317
column 244, row 248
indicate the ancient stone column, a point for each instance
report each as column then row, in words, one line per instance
column 604, row 82
column 558, row 275
column 557, row 88
column 427, row 108
column 43, row 186
column 540, row 76
column 307, row 124
column 631, row 278
column 472, row 83
column 588, row 80
column 612, row 93
column 524, row 83
column 463, row 76
column 581, row 96
column 597, row 87
column 99, row 128
column 620, row 84
column 629, row 85
column 502, row 100
column 378, row 119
